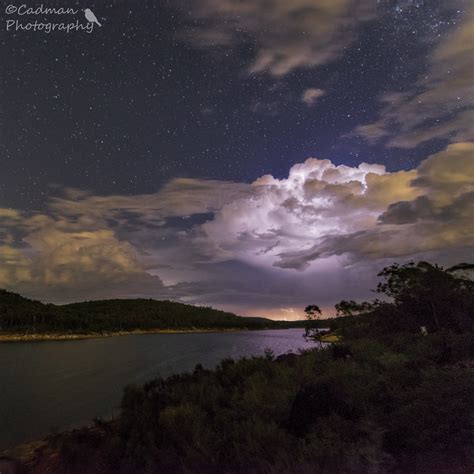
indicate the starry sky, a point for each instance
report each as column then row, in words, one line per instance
column 254, row 155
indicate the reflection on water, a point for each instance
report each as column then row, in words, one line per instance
column 46, row 386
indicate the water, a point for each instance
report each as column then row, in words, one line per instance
column 55, row 385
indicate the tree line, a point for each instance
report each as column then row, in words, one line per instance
column 22, row 315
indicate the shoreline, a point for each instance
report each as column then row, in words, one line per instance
column 39, row 337
column 29, row 451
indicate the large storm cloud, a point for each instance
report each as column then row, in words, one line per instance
column 197, row 239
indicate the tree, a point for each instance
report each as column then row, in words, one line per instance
column 313, row 313
column 415, row 295
column 428, row 295
column 351, row 307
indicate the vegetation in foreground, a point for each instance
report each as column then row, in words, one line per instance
column 23, row 318
column 388, row 398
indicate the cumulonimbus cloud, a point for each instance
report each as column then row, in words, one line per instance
column 122, row 245
column 322, row 210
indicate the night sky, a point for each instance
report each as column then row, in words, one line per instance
column 127, row 154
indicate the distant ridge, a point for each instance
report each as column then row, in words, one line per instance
column 22, row 315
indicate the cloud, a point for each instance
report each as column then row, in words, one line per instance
column 60, row 263
column 448, row 173
column 447, row 181
column 9, row 213
column 179, row 198
column 437, row 220
column 237, row 245
column 322, row 210
column 257, row 290
column 84, row 245
column 287, row 35
column 318, row 199
column 310, row 96
column 440, row 104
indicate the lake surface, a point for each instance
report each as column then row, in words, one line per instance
column 56, row 385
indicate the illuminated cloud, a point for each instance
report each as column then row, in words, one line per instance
column 288, row 35
column 84, row 245
column 57, row 261
column 237, row 245
column 437, row 219
column 310, row 96
column 440, row 105
column 318, row 199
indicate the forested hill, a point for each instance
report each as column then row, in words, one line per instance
column 22, row 315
